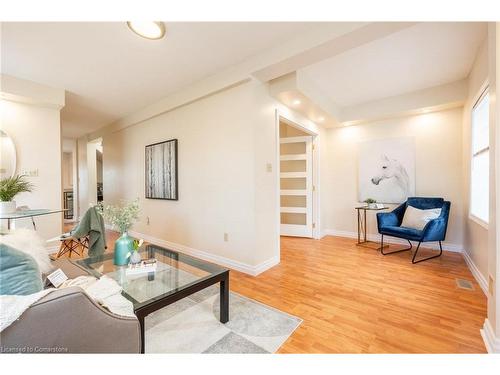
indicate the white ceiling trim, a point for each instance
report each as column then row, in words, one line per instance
column 427, row 100
column 425, row 55
column 24, row 91
column 311, row 104
column 290, row 88
column 355, row 37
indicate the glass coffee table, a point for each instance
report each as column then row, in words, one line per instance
column 176, row 276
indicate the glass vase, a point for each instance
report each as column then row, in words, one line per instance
column 123, row 249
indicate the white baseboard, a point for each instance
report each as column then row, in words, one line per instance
column 456, row 248
column 491, row 342
column 481, row 280
column 264, row 266
column 223, row 261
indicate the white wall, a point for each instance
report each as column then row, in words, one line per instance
column 225, row 143
column 91, row 171
column 70, row 146
column 491, row 328
column 37, row 135
column 67, row 171
column 82, row 175
column 475, row 235
column 438, row 138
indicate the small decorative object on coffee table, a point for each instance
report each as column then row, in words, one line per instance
column 121, row 218
column 144, row 266
column 136, row 256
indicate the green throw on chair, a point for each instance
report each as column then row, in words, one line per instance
column 89, row 234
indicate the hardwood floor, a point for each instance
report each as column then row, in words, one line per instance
column 354, row 300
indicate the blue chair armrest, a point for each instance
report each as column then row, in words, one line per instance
column 400, row 212
column 385, row 219
column 393, row 218
column 435, row 230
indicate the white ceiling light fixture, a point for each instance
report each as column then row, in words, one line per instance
column 296, row 102
column 148, row 29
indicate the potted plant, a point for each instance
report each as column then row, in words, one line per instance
column 9, row 188
column 372, row 203
column 121, row 218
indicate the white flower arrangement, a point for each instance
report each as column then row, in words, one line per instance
column 120, row 217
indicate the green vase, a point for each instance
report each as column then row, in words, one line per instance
column 123, row 248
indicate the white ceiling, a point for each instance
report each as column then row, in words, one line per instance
column 422, row 56
column 109, row 72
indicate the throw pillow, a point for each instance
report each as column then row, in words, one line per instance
column 19, row 272
column 416, row 218
column 29, row 242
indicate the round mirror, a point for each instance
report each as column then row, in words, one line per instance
column 7, row 156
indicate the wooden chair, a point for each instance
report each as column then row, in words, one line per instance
column 72, row 245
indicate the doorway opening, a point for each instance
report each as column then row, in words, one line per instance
column 69, row 172
column 95, row 171
column 296, row 180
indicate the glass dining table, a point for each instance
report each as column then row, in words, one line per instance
column 25, row 214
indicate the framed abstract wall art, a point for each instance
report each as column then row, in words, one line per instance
column 161, row 170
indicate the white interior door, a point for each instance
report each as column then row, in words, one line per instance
column 296, row 186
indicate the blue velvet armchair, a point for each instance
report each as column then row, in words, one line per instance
column 389, row 224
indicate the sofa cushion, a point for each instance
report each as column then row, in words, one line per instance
column 402, row 232
column 417, row 219
column 19, row 272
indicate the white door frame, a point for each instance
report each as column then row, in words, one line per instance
column 296, row 121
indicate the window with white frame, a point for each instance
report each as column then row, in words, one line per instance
column 480, row 163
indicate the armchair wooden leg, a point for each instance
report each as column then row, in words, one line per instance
column 431, row 257
column 62, row 250
column 69, row 246
column 81, row 247
column 392, row 252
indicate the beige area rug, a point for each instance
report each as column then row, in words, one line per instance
column 192, row 325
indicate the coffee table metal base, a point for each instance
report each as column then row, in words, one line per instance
column 223, row 279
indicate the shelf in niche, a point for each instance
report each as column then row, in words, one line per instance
column 293, row 210
column 290, row 157
column 293, row 192
column 293, row 174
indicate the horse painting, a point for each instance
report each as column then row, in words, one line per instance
column 391, row 168
column 387, row 170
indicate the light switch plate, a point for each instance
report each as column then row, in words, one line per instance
column 30, row 173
